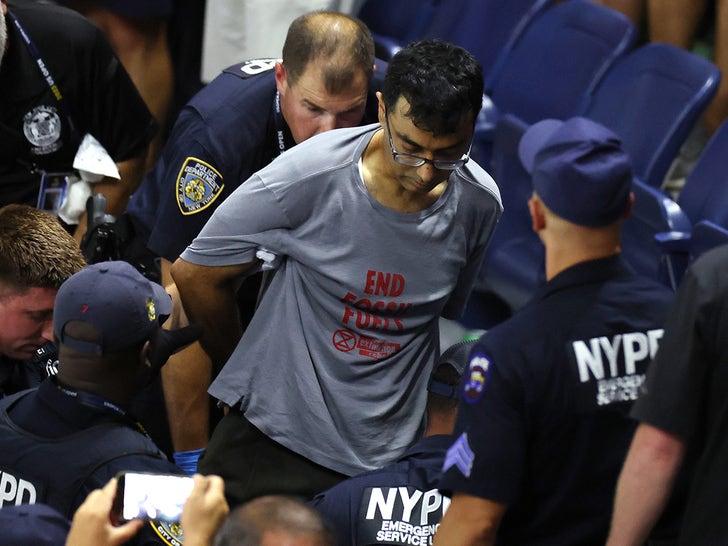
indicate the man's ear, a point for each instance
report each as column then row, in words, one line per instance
column 535, row 208
column 381, row 109
column 144, row 357
column 628, row 212
column 281, row 77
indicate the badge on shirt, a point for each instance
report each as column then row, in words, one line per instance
column 198, row 185
column 42, row 128
column 479, row 369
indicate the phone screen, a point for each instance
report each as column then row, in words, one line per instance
column 153, row 496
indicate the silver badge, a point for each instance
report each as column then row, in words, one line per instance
column 42, row 128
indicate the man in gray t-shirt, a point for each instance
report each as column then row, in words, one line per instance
column 370, row 235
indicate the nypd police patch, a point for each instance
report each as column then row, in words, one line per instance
column 198, row 185
column 171, row 533
column 479, row 369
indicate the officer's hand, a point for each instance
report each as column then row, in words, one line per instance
column 92, row 525
column 204, row 511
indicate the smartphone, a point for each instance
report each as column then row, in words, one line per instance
column 145, row 495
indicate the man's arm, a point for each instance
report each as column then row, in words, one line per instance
column 208, row 297
column 645, row 484
column 470, row 521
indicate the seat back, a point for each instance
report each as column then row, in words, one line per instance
column 394, row 23
column 651, row 98
column 653, row 213
column 705, row 236
column 484, row 27
column 514, row 263
column 558, row 57
column 704, row 195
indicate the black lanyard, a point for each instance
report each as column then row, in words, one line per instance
column 45, row 72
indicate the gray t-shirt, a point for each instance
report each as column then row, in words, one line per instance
column 335, row 363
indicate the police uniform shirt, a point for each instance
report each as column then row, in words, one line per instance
column 48, row 413
column 18, row 375
column 229, row 130
column 223, row 135
column 96, row 91
column 398, row 504
column 686, row 392
column 543, row 423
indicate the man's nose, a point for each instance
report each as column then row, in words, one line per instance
column 328, row 122
column 47, row 330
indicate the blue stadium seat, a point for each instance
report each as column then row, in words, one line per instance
column 484, row 27
column 654, row 214
column 556, row 60
column 513, row 266
column 561, row 55
column 705, row 236
column 394, row 23
column 704, row 195
column 704, row 200
column 651, row 98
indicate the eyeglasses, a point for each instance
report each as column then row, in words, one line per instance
column 417, row 161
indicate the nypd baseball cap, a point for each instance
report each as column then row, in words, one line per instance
column 579, row 170
column 119, row 302
column 456, row 356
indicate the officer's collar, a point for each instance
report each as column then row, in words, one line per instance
column 591, row 271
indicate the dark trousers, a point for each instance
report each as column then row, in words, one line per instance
column 253, row 465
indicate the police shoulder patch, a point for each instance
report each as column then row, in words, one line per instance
column 170, row 532
column 253, row 67
column 479, row 369
column 198, row 185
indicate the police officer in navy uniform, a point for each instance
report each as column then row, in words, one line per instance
column 239, row 123
column 543, row 422
column 250, row 114
column 59, row 81
column 401, row 501
column 74, row 433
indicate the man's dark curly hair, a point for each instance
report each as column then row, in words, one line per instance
column 441, row 82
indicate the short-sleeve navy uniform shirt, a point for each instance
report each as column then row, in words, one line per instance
column 543, row 422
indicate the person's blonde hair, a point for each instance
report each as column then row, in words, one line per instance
column 35, row 249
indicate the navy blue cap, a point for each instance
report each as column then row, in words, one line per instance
column 579, row 170
column 456, row 356
column 32, row 525
column 118, row 301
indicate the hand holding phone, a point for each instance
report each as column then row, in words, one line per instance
column 91, row 525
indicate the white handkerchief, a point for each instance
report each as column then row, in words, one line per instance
column 93, row 162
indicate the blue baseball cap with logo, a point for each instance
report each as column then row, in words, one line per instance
column 122, row 306
column 579, row 170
